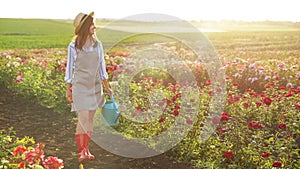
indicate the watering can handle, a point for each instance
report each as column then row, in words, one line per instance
column 112, row 98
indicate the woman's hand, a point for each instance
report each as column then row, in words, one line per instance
column 109, row 91
column 69, row 94
column 106, row 86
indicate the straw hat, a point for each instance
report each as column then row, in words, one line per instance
column 79, row 20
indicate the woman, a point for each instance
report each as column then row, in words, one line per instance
column 84, row 73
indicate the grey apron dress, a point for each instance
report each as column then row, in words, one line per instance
column 87, row 89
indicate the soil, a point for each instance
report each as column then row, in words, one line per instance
column 57, row 130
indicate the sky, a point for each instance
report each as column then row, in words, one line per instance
column 246, row 10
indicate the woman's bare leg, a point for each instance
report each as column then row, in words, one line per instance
column 83, row 122
column 90, row 124
column 90, row 127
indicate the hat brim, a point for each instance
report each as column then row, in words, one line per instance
column 77, row 29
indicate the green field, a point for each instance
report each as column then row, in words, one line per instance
column 33, row 33
column 38, row 33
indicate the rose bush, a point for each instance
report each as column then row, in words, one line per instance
column 258, row 128
column 24, row 153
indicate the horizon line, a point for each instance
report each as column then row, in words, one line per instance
column 188, row 20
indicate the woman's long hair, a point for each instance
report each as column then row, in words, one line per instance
column 83, row 34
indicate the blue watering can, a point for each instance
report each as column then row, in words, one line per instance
column 110, row 112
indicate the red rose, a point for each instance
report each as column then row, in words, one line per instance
column 177, row 106
column 254, row 125
column 262, row 95
column 225, row 116
column 228, row 155
column 19, row 150
column 175, row 112
column 109, row 68
column 235, row 84
column 282, row 88
column 207, row 83
column 246, row 105
column 251, row 93
column 281, row 126
column 174, row 98
column 21, row 165
column 211, row 93
column 174, row 89
column 267, row 101
column 169, row 101
column 277, row 164
column 258, row 104
column 289, row 95
column 115, row 67
column 265, row 154
column 161, row 120
column 41, row 145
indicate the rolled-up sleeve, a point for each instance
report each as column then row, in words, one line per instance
column 103, row 73
column 70, row 62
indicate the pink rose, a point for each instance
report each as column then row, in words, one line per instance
column 53, row 163
column 34, row 155
column 18, row 80
column 20, row 73
column 189, row 121
column 215, row 120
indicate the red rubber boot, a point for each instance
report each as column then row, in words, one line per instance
column 82, row 153
column 87, row 140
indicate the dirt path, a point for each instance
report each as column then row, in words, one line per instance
column 57, row 132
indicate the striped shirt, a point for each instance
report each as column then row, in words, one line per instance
column 71, row 61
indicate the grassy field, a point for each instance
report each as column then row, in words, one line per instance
column 33, row 33
column 37, row 33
